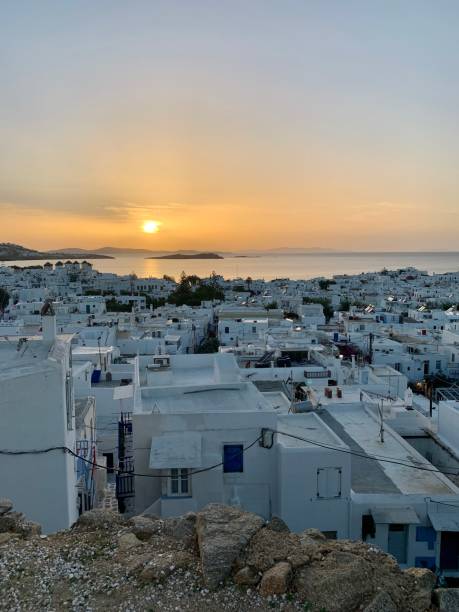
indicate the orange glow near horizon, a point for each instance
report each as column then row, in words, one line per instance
column 230, row 126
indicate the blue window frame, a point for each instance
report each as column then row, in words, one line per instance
column 426, row 534
column 233, row 458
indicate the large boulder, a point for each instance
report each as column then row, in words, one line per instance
column 10, row 521
column 246, row 576
column 15, row 522
column 5, row 505
column 267, row 547
column 128, row 541
column 339, row 584
column 277, row 524
column 182, row 528
column 276, row 580
column 145, row 527
column 424, row 583
column 447, row 600
column 223, row 532
column 99, row 518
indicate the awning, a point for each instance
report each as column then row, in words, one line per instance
column 176, row 450
column 444, row 521
column 399, row 515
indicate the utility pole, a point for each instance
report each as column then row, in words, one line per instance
column 381, row 415
column 430, row 398
column 370, row 348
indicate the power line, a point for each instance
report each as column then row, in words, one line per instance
column 104, row 467
column 40, row 451
column 380, row 458
column 207, row 469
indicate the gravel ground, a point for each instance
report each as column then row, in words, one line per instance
column 87, row 570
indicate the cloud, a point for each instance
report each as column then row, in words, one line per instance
column 127, row 210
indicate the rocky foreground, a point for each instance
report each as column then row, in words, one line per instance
column 218, row 559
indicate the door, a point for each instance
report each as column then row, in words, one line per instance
column 449, row 550
column 397, row 542
column 109, row 457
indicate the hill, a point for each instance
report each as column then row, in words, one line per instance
column 185, row 256
column 16, row 252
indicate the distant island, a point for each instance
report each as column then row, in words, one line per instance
column 16, row 252
column 185, row 256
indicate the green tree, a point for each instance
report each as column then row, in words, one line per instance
column 344, row 305
column 325, row 283
column 209, row 345
column 115, row 306
column 193, row 295
column 271, row 306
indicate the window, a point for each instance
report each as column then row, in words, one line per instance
column 233, row 458
column 328, row 482
column 179, row 483
column 226, row 330
column 438, row 365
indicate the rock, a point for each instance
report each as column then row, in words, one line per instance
column 447, row 600
column 182, row 528
column 162, row 566
column 136, row 564
column 338, row 584
column 127, row 541
column 6, row 537
column 246, row 576
column 381, row 603
column 28, row 529
column 144, row 528
column 424, row 582
column 314, row 534
column 100, row 518
column 5, row 505
column 10, row 521
column 277, row 524
column 223, row 532
column 276, row 580
column 268, row 547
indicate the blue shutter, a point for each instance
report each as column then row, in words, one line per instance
column 233, row 458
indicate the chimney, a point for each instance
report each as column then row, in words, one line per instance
column 48, row 322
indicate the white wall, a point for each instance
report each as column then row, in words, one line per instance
column 32, row 408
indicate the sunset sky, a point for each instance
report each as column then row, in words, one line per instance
column 231, row 124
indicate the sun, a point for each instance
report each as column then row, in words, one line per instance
column 150, row 227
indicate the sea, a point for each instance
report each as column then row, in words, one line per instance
column 268, row 267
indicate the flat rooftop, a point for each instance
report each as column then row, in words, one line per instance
column 195, row 369
column 20, row 356
column 308, row 426
column 277, row 400
column 232, row 397
column 357, row 427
